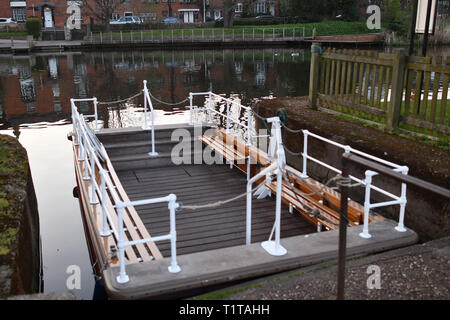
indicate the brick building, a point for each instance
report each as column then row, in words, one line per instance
column 53, row 13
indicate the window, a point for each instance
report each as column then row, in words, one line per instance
column 128, row 14
column 261, row 7
column 238, row 8
column 115, row 16
column 19, row 14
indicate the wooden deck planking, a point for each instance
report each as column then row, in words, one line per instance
column 205, row 229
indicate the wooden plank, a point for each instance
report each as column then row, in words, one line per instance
column 426, row 124
column 380, row 86
column 327, row 77
column 360, row 107
column 364, row 59
column 387, row 88
column 408, row 95
column 437, row 76
column 426, row 88
column 132, row 211
column 366, row 82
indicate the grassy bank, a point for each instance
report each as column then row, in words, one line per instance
column 322, row 29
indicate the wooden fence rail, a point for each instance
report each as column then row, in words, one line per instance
column 384, row 87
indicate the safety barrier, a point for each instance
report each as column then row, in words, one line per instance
column 89, row 152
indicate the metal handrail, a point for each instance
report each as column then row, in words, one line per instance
column 89, row 154
column 225, row 116
column 367, row 182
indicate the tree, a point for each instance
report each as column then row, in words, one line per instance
column 228, row 12
column 103, row 9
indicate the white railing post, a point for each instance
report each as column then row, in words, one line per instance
column 153, row 153
column 122, row 277
column 210, row 108
column 263, row 34
column 105, row 232
column 305, row 153
column 174, row 267
column 80, row 148
column 275, row 248
column 228, row 116
column 94, row 198
column 145, row 127
column 96, row 113
column 401, row 226
column 190, row 109
column 249, row 125
column 85, row 158
column 368, row 182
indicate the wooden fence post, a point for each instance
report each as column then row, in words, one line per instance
column 394, row 107
column 316, row 50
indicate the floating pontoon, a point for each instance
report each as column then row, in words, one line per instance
column 196, row 205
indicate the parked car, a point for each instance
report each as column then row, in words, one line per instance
column 170, row 20
column 266, row 17
column 10, row 21
column 125, row 20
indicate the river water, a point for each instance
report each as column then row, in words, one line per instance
column 34, row 106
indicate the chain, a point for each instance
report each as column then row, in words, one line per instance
column 122, row 100
column 167, row 103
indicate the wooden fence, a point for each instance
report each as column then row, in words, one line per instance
column 384, row 87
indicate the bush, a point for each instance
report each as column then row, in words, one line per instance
column 33, row 27
column 250, row 22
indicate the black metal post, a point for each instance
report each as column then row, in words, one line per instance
column 413, row 28
column 427, row 27
column 342, row 232
column 424, row 47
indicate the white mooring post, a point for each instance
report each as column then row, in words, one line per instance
column 96, row 114
column 368, row 181
column 274, row 247
column 145, row 127
column 105, row 232
column 210, row 108
column 122, row 277
column 190, row 109
column 173, row 205
column 305, row 153
column 401, row 226
column 94, row 198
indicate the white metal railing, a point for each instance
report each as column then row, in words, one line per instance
column 147, row 99
column 89, row 153
column 199, row 35
column 367, row 182
column 227, row 116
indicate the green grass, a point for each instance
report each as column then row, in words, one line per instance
column 4, row 34
column 322, row 29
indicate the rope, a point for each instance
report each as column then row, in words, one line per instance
column 215, row 204
column 167, row 103
column 122, row 100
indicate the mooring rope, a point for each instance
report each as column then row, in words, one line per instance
column 217, row 203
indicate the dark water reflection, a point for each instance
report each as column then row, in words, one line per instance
column 38, row 88
column 34, row 106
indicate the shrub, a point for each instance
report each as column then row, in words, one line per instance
column 33, row 26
